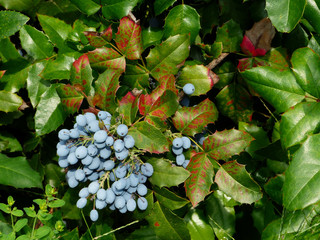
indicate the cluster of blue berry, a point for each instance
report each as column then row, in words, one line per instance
column 98, row 152
column 178, row 145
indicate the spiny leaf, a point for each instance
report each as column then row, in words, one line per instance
column 222, row 145
column 233, row 179
column 169, row 199
column 71, row 99
column 162, row 5
column 230, row 34
column 192, row 120
column 116, row 9
column 104, row 58
column 198, row 184
column 136, row 77
column 128, row 108
column 128, row 38
column 95, row 40
column 9, row 102
column 11, row 22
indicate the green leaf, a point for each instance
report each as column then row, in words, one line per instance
column 8, row 52
column 54, row 175
column 298, row 123
column 235, row 102
column 71, row 99
column 116, row 9
column 182, row 19
column 314, row 43
column 30, row 212
column 86, row 6
column 286, row 14
column 20, row 224
column 221, row 218
column 312, row 14
column 35, row 43
column 233, row 179
column 306, row 64
column 151, row 36
column 274, row 151
column 13, row 143
column 230, row 34
column 300, row 188
column 143, row 233
column 199, row 183
column 128, row 108
column 149, row 138
column 165, row 58
column 166, row 224
column 274, row 188
column 16, row 172
column 222, row 145
column 136, row 77
column 281, row 94
column 165, row 174
column 42, row 232
column 226, row 73
column 5, row 208
column 199, row 76
column 192, row 120
column 17, row 212
column 106, row 87
column 60, row 67
column 56, row 203
column 128, row 39
column 162, row 5
column 49, row 114
column 169, row 199
column 13, row 81
column 81, row 75
column 57, row 31
column 36, row 86
column 9, row 102
column 105, row 58
column 70, row 210
column 198, row 225
column 18, row 4
column 11, row 22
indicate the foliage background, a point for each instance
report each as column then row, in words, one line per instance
column 256, row 103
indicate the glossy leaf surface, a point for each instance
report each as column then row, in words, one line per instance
column 11, row 22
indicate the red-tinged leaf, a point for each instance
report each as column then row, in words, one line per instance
column 105, row 58
column 248, row 48
column 81, row 75
column 192, row 120
column 128, row 38
column 149, row 138
column 164, row 106
column 95, row 39
column 128, row 108
column 235, row 102
column 71, row 99
column 198, row 184
column 233, row 179
column 107, row 34
column 145, row 102
column 167, row 57
column 224, row 144
column 2, row 73
column 106, row 87
column 158, row 122
column 167, row 82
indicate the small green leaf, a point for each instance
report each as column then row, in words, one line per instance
column 11, row 22
column 192, row 120
column 116, row 9
column 166, row 224
column 30, row 212
column 169, row 199
column 49, row 114
column 9, row 102
column 165, row 58
column 199, row 183
column 5, row 208
column 42, row 232
column 301, row 187
column 230, row 34
column 165, row 174
column 281, row 94
column 199, row 76
column 56, row 203
column 17, row 212
column 16, row 172
column 86, row 6
column 182, row 19
column 162, row 5
column 20, row 224
column 286, row 14
column 35, row 43
column 149, row 138
column 128, row 39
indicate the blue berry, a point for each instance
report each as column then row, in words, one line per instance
column 81, row 120
column 118, row 145
column 87, row 171
column 122, row 155
column 108, row 165
column 177, row 151
column 112, row 177
column 109, row 141
column 64, row 134
column 63, row 163
column 93, row 176
column 72, row 159
column 122, row 130
column 87, row 160
column 102, row 115
column 121, row 171
column 100, row 145
column 79, row 175
column 186, row 142
column 188, row 88
column 100, row 136
column 128, row 141
column 147, row 169
column 119, row 202
column 132, row 189
column 102, row 194
column 72, row 182
column 134, row 180
column 142, row 189
column 92, row 150
column 81, row 203
column 110, row 197
column 185, row 102
column 112, row 207
column 93, row 126
column 142, row 203
column 74, row 133
column 63, row 151
column 185, row 163
column 90, row 117
column 131, row 205
column 100, row 204
column 177, row 142
column 180, row 159
column 105, row 153
column 93, row 187
column 81, row 152
column 95, row 164
column 120, row 184
column 84, row 192
column 142, row 178
column 94, row 215
column 124, row 209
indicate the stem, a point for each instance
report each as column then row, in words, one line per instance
column 85, row 221
column 196, row 144
column 116, row 230
column 268, row 109
column 216, row 61
column 12, row 221
column 33, row 226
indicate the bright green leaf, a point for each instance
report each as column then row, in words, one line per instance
column 162, row 5
column 86, row 6
column 20, row 224
column 169, row 199
column 9, row 102
column 116, row 9
column 11, row 22
column 230, row 34
column 151, row 36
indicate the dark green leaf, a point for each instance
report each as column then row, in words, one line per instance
column 49, row 114
column 70, row 210
column 136, row 77
column 230, row 34
column 169, row 199
column 116, row 9
column 16, row 172
column 286, row 14
column 312, row 14
column 86, row 6
column 11, row 22
column 182, row 19
column 282, row 94
column 162, row 5
column 13, row 143
column 9, row 102
column 166, row 224
column 35, row 43
column 149, row 138
column 273, row 151
column 8, row 51
column 143, row 233
column 151, row 36
column 301, row 188
column 166, row 174
column 226, row 73
column 53, row 175
column 274, row 188
column 18, row 5
column 198, row 225
column 314, row 43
